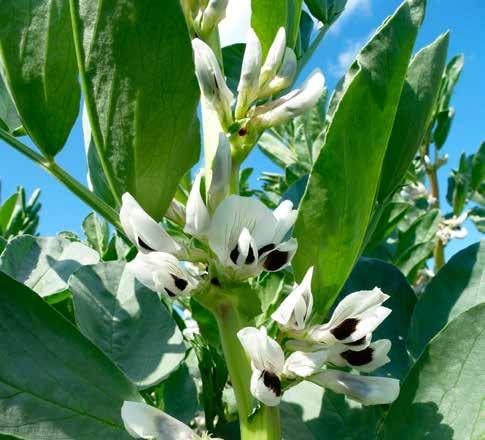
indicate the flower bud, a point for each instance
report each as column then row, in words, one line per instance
column 248, row 87
column 197, row 218
column 220, row 173
column 291, row 105
column 273, row 59
column 285, row 76
column 212, row 83
column 176, row 212
column 213, row 13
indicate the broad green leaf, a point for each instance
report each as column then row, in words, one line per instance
column 327, row 11
column 478, row 168
column 267, row 16
column 44, row 264
column 443, row 125
column 442, row 398
column 414, row 113
column 38, row 64
column 306, row 28
column 339, row 199
column 141, row 94
column 450, row 78
column 54, row 384
column 309, row 412
column 370, row 273
column 232, row 57
column 6, row 211
column 293, row 22
column 179, row 395
column 8, row 112
column 457, row 287
column 97, row 233
column 127, row 322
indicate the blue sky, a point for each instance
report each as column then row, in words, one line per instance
column 62, row 211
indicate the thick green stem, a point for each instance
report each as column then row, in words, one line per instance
column 66, row 179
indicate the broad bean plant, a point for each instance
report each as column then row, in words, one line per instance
column 319, row 306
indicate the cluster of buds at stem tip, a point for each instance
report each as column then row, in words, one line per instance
column 452, row 228
column 248, row 115
column 312, row 352
column 203, row 16
column 238, row 237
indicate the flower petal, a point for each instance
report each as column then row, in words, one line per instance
column 266, row 387
column 142, row 230
column 274, row 58
column 364, row 389
column 285, row 217
column 197, row 218
column 280, row 256
column 285, row 76
column 304, row 364
column 220, row 173
column 366, row 360
column 147, row 422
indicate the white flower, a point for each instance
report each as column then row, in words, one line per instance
column 296, row 308
column 366, row 360
column 162, row 273
column 355, row 317
column 212, row 83
column 142, row 230
column 247, row 237
column 292, row 104
column 269, row 366
column 211, row 15
column 197, row 218
column 285, row 76
column 147, row 422
column 176, row 212
column 364, row 389
column 248, row 87
column 452, row 228
column 191, row 326
column 220, row 173
column 273, row 59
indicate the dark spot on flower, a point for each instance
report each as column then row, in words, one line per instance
column 215, row 282
column 234, row 255
column 266, row 248
column 345, row 328
column 358, row 358
column 275, row 260
column 180, row 283
column 272, row 382
column 356, row 343
column 170, row 293
column 243, row 131
column 250, row 258
column 215, row 82
column 143, row 245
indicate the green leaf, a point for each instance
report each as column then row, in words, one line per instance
column 44, row 264
column 339, row 199
column 267, row 16
column 306, row 28
column 442, row 398
column 6, row 211
column 327, row 11
column 478, row 168
column 295, row 191
column 39, row 69
column 127, row 322
column 443, row 125
column 457, row 287
column 293, row 22
column 450, row 78
column 8, row 112
column 137, row 73
column 97, row 233
column 54, row 384
column 3, row 244
column 232, row 57
column 477, row 215
column 369, row 273
column 416, row 107
column 309, row 412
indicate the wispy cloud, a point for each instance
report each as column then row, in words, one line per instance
column 352, row 7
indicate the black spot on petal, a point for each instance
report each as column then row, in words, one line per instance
column 358, row 358
column 143, row 245
column 266, row 248
column 250, row 258
column 272, row 382
column 275, row 260
column 180, row 283
column 234, row 255
column 356, row 343
column 345, row 328
column 170, row 293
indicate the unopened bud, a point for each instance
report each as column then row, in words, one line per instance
column 285, row 76
column 273, row 59
column 221, row 173
column 213, row 13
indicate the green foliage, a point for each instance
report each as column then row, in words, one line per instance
column 330, row 236
column 267, row 16
column 326, row 11
column 45, row 264
column 9, row 118
column 39, row 69
column 127, row 322
column 141, row 103
column 442, row 397
column 53, row 382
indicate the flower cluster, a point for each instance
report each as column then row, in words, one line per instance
column 452, row 228
column 203, row 16
column 345, row 341
column 245, row 117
